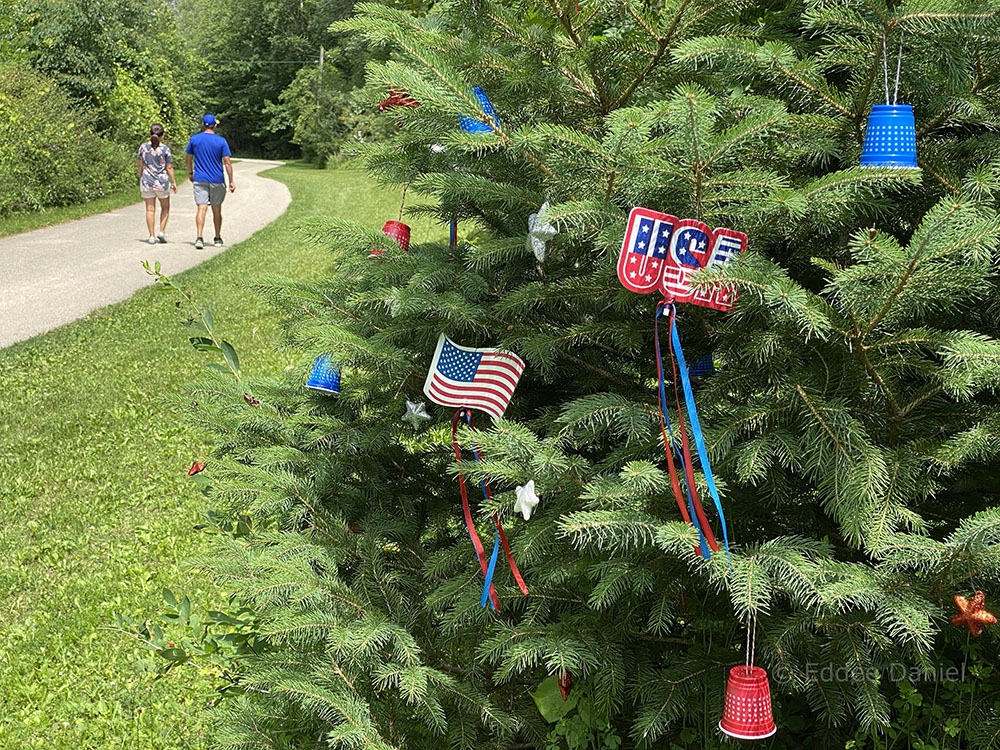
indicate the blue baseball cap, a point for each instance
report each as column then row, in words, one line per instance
column 208, row 121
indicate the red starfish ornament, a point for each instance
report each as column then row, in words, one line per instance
column 973, row 614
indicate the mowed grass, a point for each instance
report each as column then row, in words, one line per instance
column 96, row 510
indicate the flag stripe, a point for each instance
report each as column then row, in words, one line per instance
column 501, row 387
column 514, row 368
column 500, row 379
column 487, row 405
column 445, row 386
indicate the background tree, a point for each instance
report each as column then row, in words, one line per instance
column 122, row 59
column 82, row 82
column 853, row 419
column 262, row 74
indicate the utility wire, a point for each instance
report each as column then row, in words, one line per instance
column 264, row 62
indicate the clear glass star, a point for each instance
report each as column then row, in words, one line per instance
column 526, row 499
column 540, row 231
column 415, row 414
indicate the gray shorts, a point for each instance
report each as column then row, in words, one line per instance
column 209, row 193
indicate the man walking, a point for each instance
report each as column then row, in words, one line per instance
column 209, row 153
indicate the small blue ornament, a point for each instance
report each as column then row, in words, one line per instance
column 474, row 124
column 704, row 366
column 890, row 138
column 325, row 376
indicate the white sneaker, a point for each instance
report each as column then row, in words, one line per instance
column 151, row 240
column 162, row 238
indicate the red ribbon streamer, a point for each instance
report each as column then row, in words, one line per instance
column 706, row 529
column 480, row 552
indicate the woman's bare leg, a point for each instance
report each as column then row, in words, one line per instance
column 150, row 215
column 164, row 213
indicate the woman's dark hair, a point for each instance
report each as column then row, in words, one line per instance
column 155, row 134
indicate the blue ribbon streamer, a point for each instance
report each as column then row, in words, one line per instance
column 699, row 439
column 496, row 534
column 474, row 124
column 706, row 552
column 489, row 572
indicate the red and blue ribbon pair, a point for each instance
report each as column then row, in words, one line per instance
column 692, row 511
column 499, row 538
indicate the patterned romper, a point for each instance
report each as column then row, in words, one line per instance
column 154, row 181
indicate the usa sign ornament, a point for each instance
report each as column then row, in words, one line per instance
column 660, row 251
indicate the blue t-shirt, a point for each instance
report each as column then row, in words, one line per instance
column 208, row 150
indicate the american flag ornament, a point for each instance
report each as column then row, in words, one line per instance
column 483, row 379
column 660, row 251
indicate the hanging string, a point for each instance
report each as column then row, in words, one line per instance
column 885, row 68
column 407, row 186
column 499, row 536
column 899, row 65
column 751, row 638
column 686, row 446
column 491, row 568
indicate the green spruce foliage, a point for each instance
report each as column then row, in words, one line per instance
column 853, row 421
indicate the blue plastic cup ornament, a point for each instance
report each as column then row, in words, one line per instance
column 704, row 366
column 890, row 138
column 474, row 124
column 325, row 376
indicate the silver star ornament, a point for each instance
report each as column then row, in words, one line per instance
column 415, row 414
column 540, row 231
column 526, row 499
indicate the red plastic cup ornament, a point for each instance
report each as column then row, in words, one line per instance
column 747, row 715
column 399, row 232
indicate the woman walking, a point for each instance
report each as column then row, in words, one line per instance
column 155, row 164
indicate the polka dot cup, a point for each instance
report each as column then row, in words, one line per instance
column 325, row 376
column 399, row 232
column 890, row 138
column 747, row 715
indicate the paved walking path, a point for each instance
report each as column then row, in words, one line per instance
column 52, row 276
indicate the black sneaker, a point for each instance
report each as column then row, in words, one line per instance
column 199, row 243
column 218, row 242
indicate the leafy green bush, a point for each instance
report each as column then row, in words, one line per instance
column 49, row 153
column 134, row 110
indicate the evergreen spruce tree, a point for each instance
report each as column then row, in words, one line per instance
column 853, row 421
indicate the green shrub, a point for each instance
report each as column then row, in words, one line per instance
column 49, row 152
column 133, row 109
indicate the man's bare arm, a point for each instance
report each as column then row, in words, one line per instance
column 189, row 165
column 229, row 170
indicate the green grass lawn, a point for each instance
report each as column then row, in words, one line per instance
column 96, row 511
